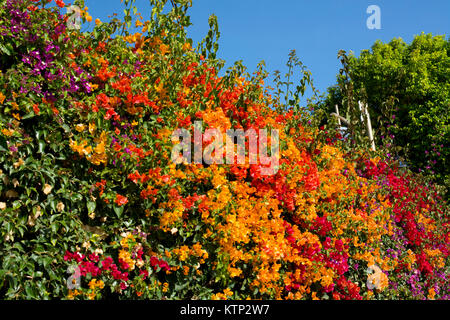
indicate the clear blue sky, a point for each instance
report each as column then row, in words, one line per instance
column 255, row 30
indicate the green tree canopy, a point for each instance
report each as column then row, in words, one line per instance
column 407, row 88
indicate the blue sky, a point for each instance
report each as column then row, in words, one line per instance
column 255, row 30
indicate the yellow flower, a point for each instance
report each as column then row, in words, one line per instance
column 91, row 127
column 145, row 28
column 87, row 150
column 228, row 292
column 234, row 272
column 431, row 294
column 136, row 37
column 80, row 148
column 185, row 270
column 18, row 163
column 2, row 97
column 80, row 127
column 164, row 49
column 97, row 21
column 72, row 294
column 186, row 46
column 218, row 296
column 93, row 85
column 60, row 206
column 7, row 132
column 124, row 242
column 183, row 252
column 126, row 257
column 92, row 284
column 47, row 189
column 100, row 148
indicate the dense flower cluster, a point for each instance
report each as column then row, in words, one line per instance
column 91, row 116
column 133, row 268
column 416, row 210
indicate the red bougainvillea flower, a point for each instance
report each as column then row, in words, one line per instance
column 121, row 200
column 36, row 109
column 60, row 3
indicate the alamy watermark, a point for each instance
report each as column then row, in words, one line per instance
column 234, row 150
column 374, row 278
column 374, row 20
column 74, row 280
column 74, row 17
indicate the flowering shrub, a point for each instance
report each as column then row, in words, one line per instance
column 92, row 207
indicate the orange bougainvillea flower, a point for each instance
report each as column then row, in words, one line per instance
column 121, row 200
column 164, row 49
column 2, row 98
column 186, row 46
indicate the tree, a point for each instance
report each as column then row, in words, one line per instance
column 407, row 88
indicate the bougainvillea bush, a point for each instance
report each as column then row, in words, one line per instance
column 93, row 207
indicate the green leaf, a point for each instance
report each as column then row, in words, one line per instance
column 91, row 205
column 179, row 287
column 66, row 128
column 54, row 227
column 41, row 146
column 3, row 144
column 52, row 202
column 5, row 50
column 118, row 211
column 28, row 116
column 30, row 291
